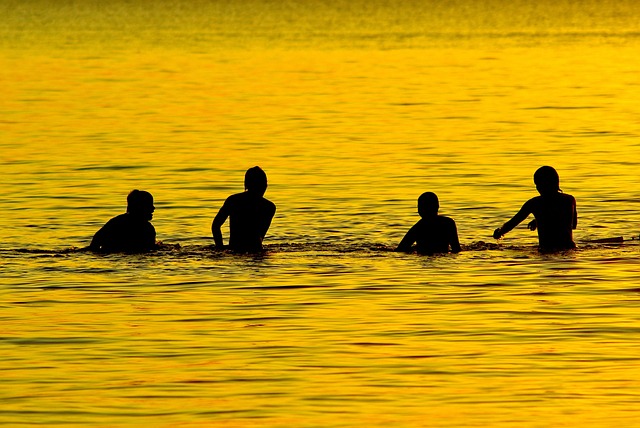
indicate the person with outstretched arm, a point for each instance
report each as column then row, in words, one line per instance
column 555, row 213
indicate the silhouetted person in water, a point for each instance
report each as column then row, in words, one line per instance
column 433, row 233
column 129, row 232
column 555, row 213
column 250, row 215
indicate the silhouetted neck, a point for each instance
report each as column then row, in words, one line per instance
column 255, row 193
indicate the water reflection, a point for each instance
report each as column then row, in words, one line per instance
column 353, row 109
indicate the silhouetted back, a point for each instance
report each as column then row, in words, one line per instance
column 249, row 214
column 433, row 233
column 437, row 234
column 249, row 219
column 127, row 233
column 555, row 215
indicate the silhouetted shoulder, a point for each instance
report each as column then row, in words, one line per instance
column 446, row 221
column 554, row 202
column 245, row 199
column 440, row 235
column 437, row 234
column 125, row 233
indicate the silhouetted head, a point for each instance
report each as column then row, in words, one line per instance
column 255, row 180
column 428, row 204
column 547, row 180
column 140, row 203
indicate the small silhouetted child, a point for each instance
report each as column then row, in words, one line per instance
column 249, row 214
column 555, row 213
column 131, row 231
column 433, row 233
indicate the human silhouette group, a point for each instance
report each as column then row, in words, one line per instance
column 250, row 215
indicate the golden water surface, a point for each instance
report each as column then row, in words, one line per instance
column 353, row 109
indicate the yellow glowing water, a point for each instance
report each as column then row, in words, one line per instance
column 353, row 109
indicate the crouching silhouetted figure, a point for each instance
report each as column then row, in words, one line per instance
column 129, row 232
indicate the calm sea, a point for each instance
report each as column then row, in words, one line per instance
column 353, row 109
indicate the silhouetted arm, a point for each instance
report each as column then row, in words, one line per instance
column 217, row 223
column 453, row 238
column 102, row 238
column 516, row 220
column 408, row 240
column 575, row 215
column 267, row 221
column 151, row 238
column 97, row 240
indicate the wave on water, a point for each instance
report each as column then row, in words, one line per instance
column 311, row 247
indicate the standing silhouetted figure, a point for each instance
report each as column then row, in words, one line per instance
column 249, row 212
column 555, row 213
column 433, row 233
column 129, row 232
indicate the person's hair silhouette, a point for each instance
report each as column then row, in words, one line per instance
column 255, row 180
column 129, row 232
column 433, row 233
column 555, row 213
column 249, row 214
